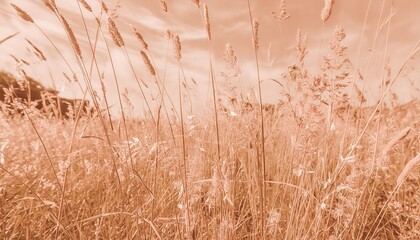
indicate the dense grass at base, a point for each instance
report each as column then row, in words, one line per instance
column 99, row 191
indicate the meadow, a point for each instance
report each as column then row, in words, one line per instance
column 319, row 163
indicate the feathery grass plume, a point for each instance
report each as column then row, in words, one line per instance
column 104, row 7
column 164, row 5
column 197, row 3
column 410, row 165
column 38, row 52
column 326, row 11
column 231, row 60
column 148, row 64
column 207, row 21
column 115, row 34
column 255, row 26
column 177, row 46
column 230, row 56
column 335, row 44
column 22, row 14
column 73, row 39
column 85, row 5
column 139, row 37
column 282, row 15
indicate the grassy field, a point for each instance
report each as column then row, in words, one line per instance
column 318, row 164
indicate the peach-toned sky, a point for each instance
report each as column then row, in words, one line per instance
column 229, row 24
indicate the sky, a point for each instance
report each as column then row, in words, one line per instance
column 230, row 23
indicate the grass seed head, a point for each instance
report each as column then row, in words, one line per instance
column 22, row 14
column 207, row 21
column 71, row 35
column 140, row 38
column 164, row 5
column 104, row 7
column 177, row 46
column 326, row 11
column 86, row 5
column 148, row 64
column 115, row 34
column 255, row 26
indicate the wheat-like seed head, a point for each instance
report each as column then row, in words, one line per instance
column 139, row 37
column 410, row 165
column 230, row 57
column 164, row 5
column 282, row 15
column 148, row 64
column 400, row 136
column 255, row 26
column 177, row 46
column 115, row 34
column 207, row 21
column 22, row 14
column 104, row 7
column 73, row 39
column 85, row 5
column 50, row 4
column 326, row 11
column 197, row 3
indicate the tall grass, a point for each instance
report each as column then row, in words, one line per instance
column 316, row 165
